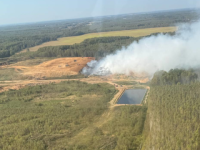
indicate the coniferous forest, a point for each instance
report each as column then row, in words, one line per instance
column 173, row 111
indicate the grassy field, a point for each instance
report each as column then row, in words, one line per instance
column 77, row 39
column 31, row 62
column 8, row 74
column 126, row 82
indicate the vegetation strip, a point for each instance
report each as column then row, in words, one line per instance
column 78, row 39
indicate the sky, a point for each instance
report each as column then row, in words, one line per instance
column 25, row 11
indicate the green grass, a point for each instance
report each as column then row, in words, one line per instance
column 132, row 83
column 78, row 76
column 8, row 74
column 32, row 62
column 126, row 82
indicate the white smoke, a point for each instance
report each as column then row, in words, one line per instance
column 161, row 52
column 89, row 68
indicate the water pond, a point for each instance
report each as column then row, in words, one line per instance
column 132, row 96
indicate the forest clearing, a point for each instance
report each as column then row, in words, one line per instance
column 117, row 82
column 44, row 71
column 78, row 39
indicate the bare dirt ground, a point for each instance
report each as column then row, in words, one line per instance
column 53, row 68
column 63, row 67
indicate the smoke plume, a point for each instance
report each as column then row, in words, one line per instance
column 161, row 52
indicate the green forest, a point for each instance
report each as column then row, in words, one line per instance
column 58, row 116
column 173, row 120
column 174, row 76
column 94, row 47
column 15, row 38
column 55, row 116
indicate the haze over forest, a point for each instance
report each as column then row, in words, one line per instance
column 99, row 75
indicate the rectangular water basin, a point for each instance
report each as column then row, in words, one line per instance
column 132, row 96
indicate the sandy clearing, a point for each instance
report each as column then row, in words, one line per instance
column 54, row 68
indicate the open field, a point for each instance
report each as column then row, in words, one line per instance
column 31, row 62
column 78, row 39
column 52, row 68
column 18, row 84
column 45, row 71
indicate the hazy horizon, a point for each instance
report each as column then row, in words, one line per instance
column 169, row 10
column 22, row 12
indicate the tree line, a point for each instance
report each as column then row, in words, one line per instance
column 174, row 76
column 94, row 47
column 18, row 37
column 173, row 118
